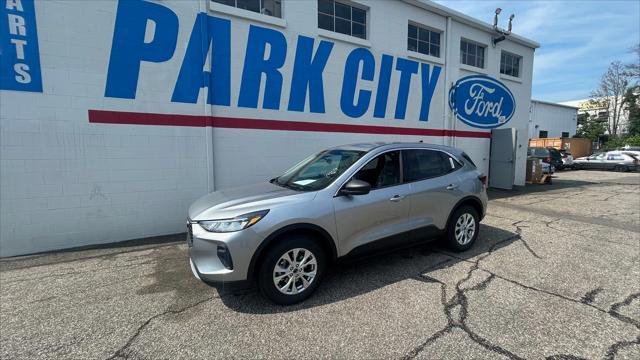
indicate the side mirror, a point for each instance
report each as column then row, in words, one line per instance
column 356, row 187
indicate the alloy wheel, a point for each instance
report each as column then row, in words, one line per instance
column 465, row 229
column 294, row 271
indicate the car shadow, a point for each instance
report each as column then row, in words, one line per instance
column 358, row 277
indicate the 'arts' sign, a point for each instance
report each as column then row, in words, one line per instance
column 19, row 55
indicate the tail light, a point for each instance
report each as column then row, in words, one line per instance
column 483, row 180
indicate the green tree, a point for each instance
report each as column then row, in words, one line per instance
column 633, row 140
column 590, row 127
column 612, row 88
column 632, row 103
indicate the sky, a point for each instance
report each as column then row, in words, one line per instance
column 578, row 39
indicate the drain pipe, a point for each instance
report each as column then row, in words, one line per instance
column 208, row 113
column 446, row 112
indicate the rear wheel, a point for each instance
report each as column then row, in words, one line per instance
column 620, row 168
column 463, row 228
column 291, row 270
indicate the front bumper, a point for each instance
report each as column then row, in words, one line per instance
column 206, row 263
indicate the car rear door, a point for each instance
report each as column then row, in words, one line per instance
column 435, row 189
column 379, row 218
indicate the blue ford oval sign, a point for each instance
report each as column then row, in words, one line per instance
column 481, row 101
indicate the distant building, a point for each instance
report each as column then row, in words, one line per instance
column 601, row 109
column 549, row 120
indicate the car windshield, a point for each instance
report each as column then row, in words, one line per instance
column 318, row 171
column 538, row 152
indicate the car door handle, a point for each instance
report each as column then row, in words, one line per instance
column 396, row 198
column 452, row 187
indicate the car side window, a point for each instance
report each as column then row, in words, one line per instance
column 426, row 164
column 615, row 157
column 382, row 171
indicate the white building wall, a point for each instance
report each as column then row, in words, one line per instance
column 69, row 180
column 554, row 118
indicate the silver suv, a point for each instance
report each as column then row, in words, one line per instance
column 336, row 204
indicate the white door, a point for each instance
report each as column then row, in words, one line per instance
column 502, row 159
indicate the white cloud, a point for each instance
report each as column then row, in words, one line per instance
column 578, row 38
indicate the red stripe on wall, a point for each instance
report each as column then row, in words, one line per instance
column 133, row 118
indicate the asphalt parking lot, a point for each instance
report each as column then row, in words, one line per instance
column 555, row 274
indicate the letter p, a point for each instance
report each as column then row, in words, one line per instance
column 129, row 48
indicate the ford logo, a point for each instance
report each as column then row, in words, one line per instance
column 482, row 102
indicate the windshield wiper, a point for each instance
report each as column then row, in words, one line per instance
column 276, row 182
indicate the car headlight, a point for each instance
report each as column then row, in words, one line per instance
column 235, row 224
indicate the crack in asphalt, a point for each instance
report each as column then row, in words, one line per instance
column 613, row 350
column 579, row 218
column 590, row 296
column 564, row 357
column 614, row 310
column 121, row 353
column 524, row 242
column 460, row 301
column 591, row 237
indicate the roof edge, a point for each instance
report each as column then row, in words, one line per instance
column 468, row 20
column 554, row 104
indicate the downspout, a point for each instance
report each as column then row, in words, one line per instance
column 208, row 112
column 448, row 121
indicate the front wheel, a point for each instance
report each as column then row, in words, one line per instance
column 291, row 270
column 463, row 228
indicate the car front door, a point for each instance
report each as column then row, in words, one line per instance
column 594, row 162
column 435, row 189
column 599, row 162
column 379, row 218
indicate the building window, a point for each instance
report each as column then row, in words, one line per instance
column 510, row 64
column 423, row 41
column 472, row 54
column 342, row 18
column 565, row 134
column 266, row 7
column 543, row 134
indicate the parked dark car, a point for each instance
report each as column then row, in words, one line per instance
column 548, row 154
column 612, row 160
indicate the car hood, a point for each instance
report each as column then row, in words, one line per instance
column 240, row 200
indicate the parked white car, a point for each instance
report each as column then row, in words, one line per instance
column 567, row 159
column 612, row 160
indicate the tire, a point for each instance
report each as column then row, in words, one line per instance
column 463, row 217
column 282, row 255
column 620, row 168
